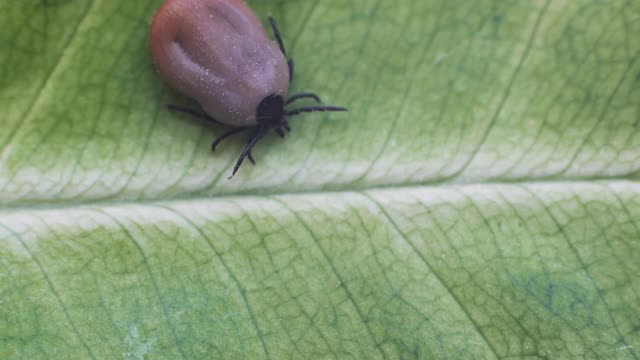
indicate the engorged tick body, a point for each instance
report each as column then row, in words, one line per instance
column 217, row 52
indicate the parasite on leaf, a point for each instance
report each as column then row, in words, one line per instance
column 218, row 52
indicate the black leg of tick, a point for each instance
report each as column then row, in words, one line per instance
column 314, row 109
column 276, row 33
column 250, row 157
column 303, row 96
column 191, row 112
column 226, row 135
column 260, row 132
column 279, row 131
column 292, row 67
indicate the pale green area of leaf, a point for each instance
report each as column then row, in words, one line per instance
column 481, row 199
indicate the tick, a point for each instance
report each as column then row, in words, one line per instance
column 218, row 52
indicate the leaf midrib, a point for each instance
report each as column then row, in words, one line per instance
column 48, row 206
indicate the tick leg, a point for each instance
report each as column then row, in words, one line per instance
column 276, row 33
column 279, row 131
column 195, row 113
column 292, row 67
column 257, row 135
column 250, row 157
column 226, row 135
column 286, row 125
column 303, row 96
column 314, row 109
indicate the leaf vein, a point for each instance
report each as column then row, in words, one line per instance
column 435, row 273
column 153, row 281
column 343, row 285
column 53, row 290
column 505, row 97
column 227, row 268
column 48, row 76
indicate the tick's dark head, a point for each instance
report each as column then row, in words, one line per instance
column 271, row 111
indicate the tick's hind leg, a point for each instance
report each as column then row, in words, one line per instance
column 226, row 135
column 291, row 69
column 314, row 109
column 304, row 95
column 258, row 134
column 276, row 33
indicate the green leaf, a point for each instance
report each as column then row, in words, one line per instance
column 480, row 200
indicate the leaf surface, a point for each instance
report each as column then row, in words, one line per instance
column 480, row 199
